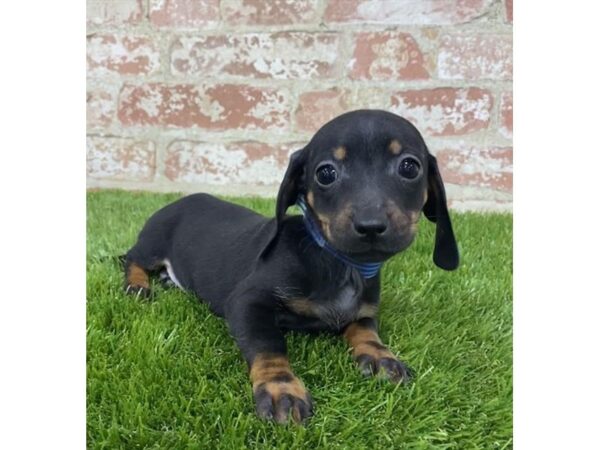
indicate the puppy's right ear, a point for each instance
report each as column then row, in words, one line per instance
column 290, row 188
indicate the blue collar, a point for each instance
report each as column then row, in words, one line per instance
column 367, row 270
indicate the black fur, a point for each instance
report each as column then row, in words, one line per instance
column 248, row 268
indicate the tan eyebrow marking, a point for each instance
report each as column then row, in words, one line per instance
column 340, row 153
column 395, row 147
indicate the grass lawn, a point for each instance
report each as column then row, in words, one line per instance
column 166, row 374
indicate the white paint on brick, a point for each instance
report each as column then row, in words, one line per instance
column 112, row 11
column 274, row 105
column 475, row 57
column 103, row 54
column 393, row 55
column 273, row 55
column 118, row 158
column 436, row 117
column 202, row 162
column 210, row 108
column 414, row 12
column 151, row 101
column 157, row 5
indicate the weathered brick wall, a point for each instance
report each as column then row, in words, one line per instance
column 213, row 95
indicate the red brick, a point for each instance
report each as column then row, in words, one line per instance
column 473, row 57
column 318, row 107
column 282, row 55
column 272, row 12
column 184, row 13
column 315, row 108
column 217, row 107
column 114, row 12
column 247, row 162
column 445, row 111
column 508, row 6
column 405, row 12
column 480, row 167
column 387, row 56
column 115, row 158
column 101, row 105
column 125, row 55
column 506, row 115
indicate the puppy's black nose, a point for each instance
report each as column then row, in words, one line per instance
column 370, row 227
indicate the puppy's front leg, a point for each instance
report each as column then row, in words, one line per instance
column 370, row 354
column 278, row 393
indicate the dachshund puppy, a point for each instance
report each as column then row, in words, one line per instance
column 361, row 183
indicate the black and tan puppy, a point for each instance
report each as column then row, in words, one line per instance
column 362, row 182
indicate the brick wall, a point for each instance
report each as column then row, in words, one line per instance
column 213, row 95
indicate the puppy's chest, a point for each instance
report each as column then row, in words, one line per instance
column 330, row 309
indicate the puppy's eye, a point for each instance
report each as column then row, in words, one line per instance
column 326, row 174
column 409, row 168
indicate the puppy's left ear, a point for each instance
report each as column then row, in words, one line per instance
column 445, row 253
column 289, row 190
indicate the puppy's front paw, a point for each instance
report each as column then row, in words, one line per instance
column 277, row 400
column 387, row 365
column 372, row 356
column 278, row 393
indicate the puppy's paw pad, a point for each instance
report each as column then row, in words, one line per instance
column 279, row 400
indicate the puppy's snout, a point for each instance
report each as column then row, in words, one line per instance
column 370, row 228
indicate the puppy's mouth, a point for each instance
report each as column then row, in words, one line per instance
column 372, row 250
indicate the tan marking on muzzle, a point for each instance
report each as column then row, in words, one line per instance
column 325, row 225
column 310, row 199
column 414, row 220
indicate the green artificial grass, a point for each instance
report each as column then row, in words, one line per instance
column 166, row 374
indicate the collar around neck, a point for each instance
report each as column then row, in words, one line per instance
column 367, row 270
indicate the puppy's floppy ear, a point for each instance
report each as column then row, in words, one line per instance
column 445, row 253
column 291, row 184
column 289, row 190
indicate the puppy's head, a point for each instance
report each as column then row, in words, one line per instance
column 366, row 176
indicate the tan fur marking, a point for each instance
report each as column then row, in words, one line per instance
column 344, row 217
column 358, row 338
column 310, row 198
column 367, row 310
column 400, row 219
column 302, row 306
column 414, row 221
column 136, row 276
column 395, row 147
column 325, row 225
column 265, row 367
column 340, row 153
